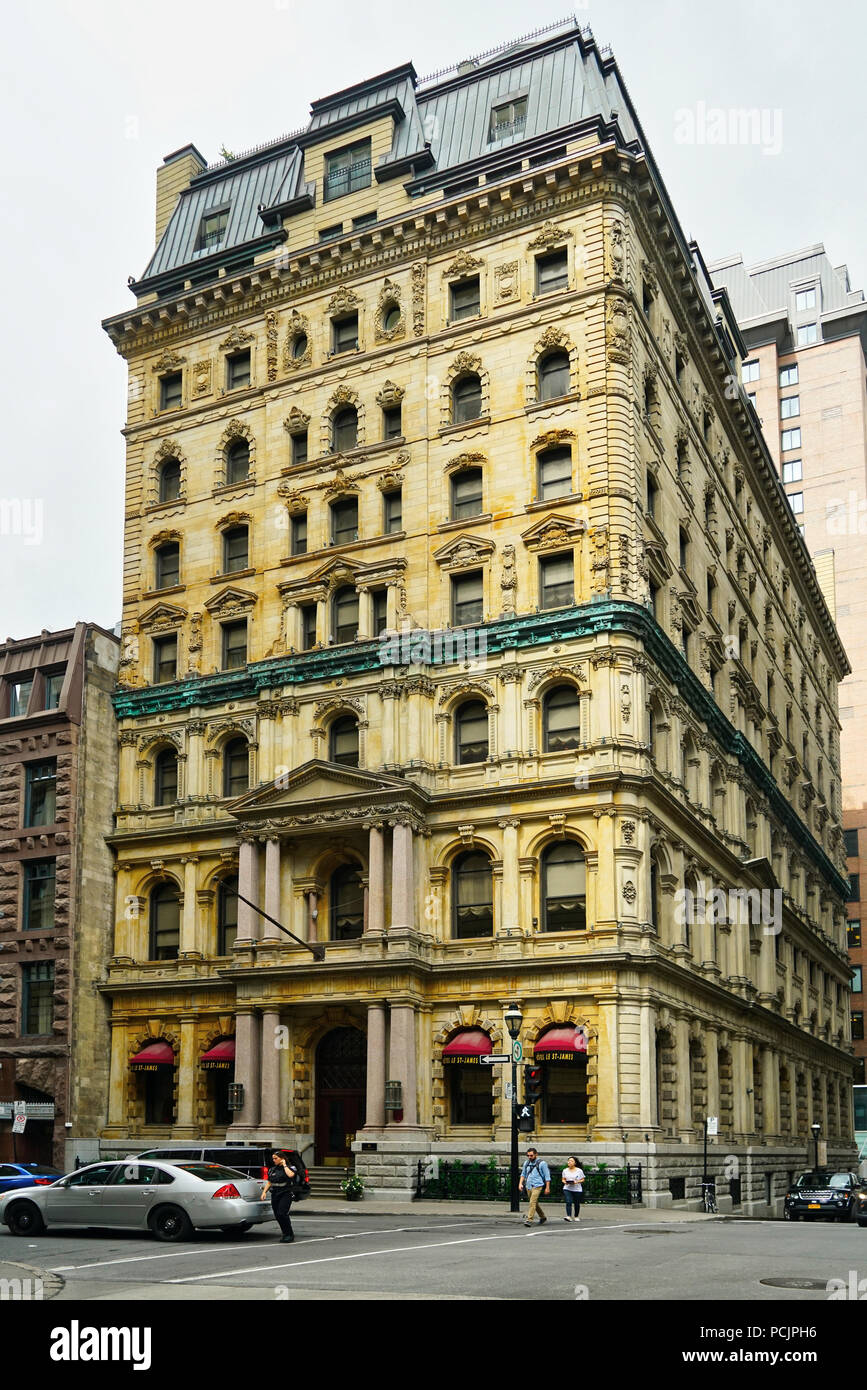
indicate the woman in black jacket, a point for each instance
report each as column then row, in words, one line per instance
column 281, row 1184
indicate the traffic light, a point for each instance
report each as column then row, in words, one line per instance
column 532, row 1084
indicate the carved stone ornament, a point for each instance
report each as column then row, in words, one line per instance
column 236, row 339
column 577, row 673
column 508, row 579
column 552, row 338
column 625, row 703
column 299, row 327
column 507, row 283
column 469, row 459
column 271, row 343
column 464, row 552
column 465, row 362
column 344, row 395
column 168, row 361
column 629, row 891
column 229, row 602
column 343, row 300
column 466, row 688
column 418, row 286
column 551, row 438
column 616, row 258
column 628, row 831
column 389, row 298
column 341, row 483
column 550, row 234
column 296, row 421
column 648, row 274
column 295, row 501
column 552, row 532
column 617, row 329
column 390, row 395
column 390, row 482
column 201, row 379
column 233, row 519
column 462, row 264
column 163, row 617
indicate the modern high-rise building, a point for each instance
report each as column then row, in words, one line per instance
column 805, row 330
column 58, row 790
column 440, row 517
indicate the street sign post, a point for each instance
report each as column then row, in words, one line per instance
column 494, row 1059
column 19, row 1122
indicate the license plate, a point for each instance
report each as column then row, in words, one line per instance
column 814, row 1206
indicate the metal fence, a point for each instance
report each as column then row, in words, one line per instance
column 456, row 1181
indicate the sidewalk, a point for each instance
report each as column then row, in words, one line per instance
column 591, row 1213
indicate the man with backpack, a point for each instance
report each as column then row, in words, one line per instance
column 535, row 1175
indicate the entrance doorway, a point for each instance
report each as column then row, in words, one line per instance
column 341, row 1089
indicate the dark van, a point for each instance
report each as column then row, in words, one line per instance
column 245, row 1158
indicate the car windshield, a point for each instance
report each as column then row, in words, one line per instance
column 823, row 1180
column 211, row 1172
column 41, row 1172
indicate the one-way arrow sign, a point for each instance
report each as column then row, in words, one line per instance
column 493, row 1058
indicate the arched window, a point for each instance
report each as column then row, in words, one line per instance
column 236, row 767
column 167, row 565
column 237, row 461
column 471, row 732
column 655, row 909
column 170, row 481
column 344, row 429
column 466, row 490
column 227, row 915
column 345, row 615
column 553, row 376
column 165, row 923
column 347, row 904
column 166, row 777
column 343, row 741
column 466, row 399
column 691, row 909
column 472, row 895
column 390, row 317
column 561, row 719
column 564, row 888
column 554, row 476
column 236, row 549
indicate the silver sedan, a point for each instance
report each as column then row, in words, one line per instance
column 169, row 1199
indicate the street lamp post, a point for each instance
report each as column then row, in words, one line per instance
column 816, row 1127
column 514, row 1018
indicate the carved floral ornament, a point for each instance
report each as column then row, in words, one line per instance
column 164, row 538
column 464, row 552
column 553, row 532
column 164, row 617
column 463, row 264
column 469, row 459
column 389, row 298
column 230, row 602
column 550, row 234
column 464, row 362
column 390, row 482
column 389, row 395
column 298, row 327
column 296, row 421
column 343, row 301
column 296, row 502
column 576, row 673
column 236, row 339
column 551, row 438
column 168, row 361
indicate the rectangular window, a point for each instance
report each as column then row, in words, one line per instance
column 40, row 798
column 170, row 391
column 805, row 299
column 552, row 272
column 39, row 875
column 808, row 333
column 791, row 439
column 392, row 426
column 344, row 521
column 299, row 448
column 37, row 999
column 796, row 502
column 850, row 843
column 366, row 219
column 465, row 299
column 380, row 611
column 347, row 170
column 238, row 370
column 510, row 118
column 750, row 371
column 853, row 935
column 299, row 534
column 556, row 581
column 790, row 406
column 212, row 229
column 19, row 696
column 466, row 494
column 789, row 375
column 393, row 512
column 344, row 334
column 467, row 599
column 856, row 985
column 555, row 473
column 53, row 687
column 751, row 397
column 328, row 233
column 857, row 1025
column 793, row 472
column 684, row 549
column 854, row 888
column 165, row 659
column 234, row 645
column 308, row 626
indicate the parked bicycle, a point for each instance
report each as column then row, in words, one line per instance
column 709, row 1198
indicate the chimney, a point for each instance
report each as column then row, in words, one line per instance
column 173, row 177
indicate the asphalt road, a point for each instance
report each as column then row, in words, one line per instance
column 419, row 1255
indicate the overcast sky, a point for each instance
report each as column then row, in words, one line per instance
column 95, row 92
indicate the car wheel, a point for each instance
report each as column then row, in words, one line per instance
column 862, row 1221
column 171, row 1223
column 25, row 1219
column 790, row 1215
column 240, row 1230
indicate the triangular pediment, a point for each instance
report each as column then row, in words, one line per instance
column 552, row 531
column 231, row 600
column 464, row 550
column 317, row 782
column 165, row 615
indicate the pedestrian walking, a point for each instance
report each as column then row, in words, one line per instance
column 281, row 1185
column 572, row 1179
column 535, row 1175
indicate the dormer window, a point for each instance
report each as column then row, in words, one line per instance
column 510, row 118
column 212, row 230
column 347, row 170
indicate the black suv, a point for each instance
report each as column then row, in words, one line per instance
column 823, row 1193
column 248, row 1159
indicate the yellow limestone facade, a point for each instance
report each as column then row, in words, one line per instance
column 639, row 697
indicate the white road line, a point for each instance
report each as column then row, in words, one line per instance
column 225, row 1249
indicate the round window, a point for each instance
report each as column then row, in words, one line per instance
column 299, row 346
column 391, row 318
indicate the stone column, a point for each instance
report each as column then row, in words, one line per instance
column 188, row 921
column 365, row 613
column 118, row 1080
column 376, row 881
column 272, row 890
column 187, row 1076
column 771, row 1090
column 391, row 606
column 742, row 1079
column 402, row 1059
column 248, row 885
column 684, row 1089
column 510, row 918
column 248, row 1056
column 607, row 1072
column 321, row 621
column 270, row 1088
column 647, row 1042
column 375, row 1067
column 402, row 879
column 711, row 1052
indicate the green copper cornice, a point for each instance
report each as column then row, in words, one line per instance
column 607, row 617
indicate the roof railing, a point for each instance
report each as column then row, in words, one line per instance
column 477, row 58
column 256, row 149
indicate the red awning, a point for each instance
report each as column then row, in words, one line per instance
column 560, row 1044
column 156, row 1054
column 467, row 1046
column 220, row 1057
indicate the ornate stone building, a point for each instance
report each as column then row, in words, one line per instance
column 465, row 627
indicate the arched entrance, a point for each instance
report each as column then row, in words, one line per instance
column 341, row 1088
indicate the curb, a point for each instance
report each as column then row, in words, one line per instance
column 50, row 1285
